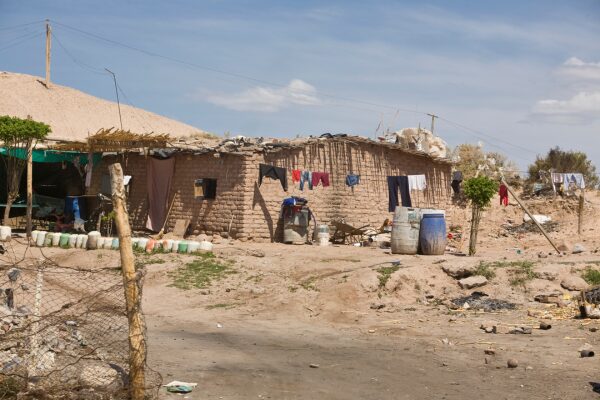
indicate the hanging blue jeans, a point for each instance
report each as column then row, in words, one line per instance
column 306, row 177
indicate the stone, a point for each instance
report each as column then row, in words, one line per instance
column 564, row 246
column 13, row 274
column 578, row 248
column 548, row 272
column 473, row 282
column 541, row 254
column 370, row 282
column 99, row 376
column 512, row 363
column 574, row 283
column 490, row 352
column 256, row 253
column 377, row 306
column 459, row 271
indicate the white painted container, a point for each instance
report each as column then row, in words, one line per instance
column 5, row 233
column 100, row 242
column 142, row 242
column 193, row 246
column 79, row 241
column 73, row 241
column 107, row 243
column 34, row 236
column 175, row 246
column 92, row 240
column 55, row 239
column 205, row 245
column 115, row 243
column 40, row 239
column 84, row 242
column 134, row 242
column 48, row 239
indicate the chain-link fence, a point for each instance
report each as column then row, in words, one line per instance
column 64, row 331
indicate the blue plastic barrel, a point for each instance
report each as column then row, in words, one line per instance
column 432, row 235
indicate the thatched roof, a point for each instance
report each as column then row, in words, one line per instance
column 113, row 139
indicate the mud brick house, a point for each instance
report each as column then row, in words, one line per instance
column 217, row 188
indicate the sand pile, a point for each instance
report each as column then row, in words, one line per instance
column 73, row 115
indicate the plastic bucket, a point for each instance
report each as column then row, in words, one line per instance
column 182, row 247
column 134, row 242
column 72, row 240
column 5, row 233
column 175, row 246
column 79, row 241
column 206, row 245
column 405, row 230
column 167, row 245
column 432, row 236
column 49, row 239
column 193, row 246
column 142, row 242
column 34, row 236
column 92, row 240
column 40, row 239
column 107, row 243
column 150, row 245
column 56, row 239
column 115, row 243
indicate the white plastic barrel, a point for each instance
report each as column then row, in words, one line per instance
column 84, row 241
column 100, row 241
column 5, row 233
column 134, row 242
column 115, row 243
column 142, row 242
column 73, row 240
column 193, row 246
column 48, row 239
column 206, row 245
column 40, row 239
column 108, row 243
column 175, row 246
column 79, row 241
column 405, row 230
column 34, row 236
column 92, row 241
column 56, row 239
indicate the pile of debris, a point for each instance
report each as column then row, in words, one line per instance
column 481, row 301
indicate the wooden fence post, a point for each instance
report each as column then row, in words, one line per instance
column 580, row 211
column 133, row 301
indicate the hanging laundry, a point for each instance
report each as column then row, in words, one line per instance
column 396, row 183
column 273, row 172
column 503, row 192
column 306, row 177
column 320, row 177
column 557, row 180
column 296, row 175
column 573, row 180
column 352, row 180
column 457, row 178
column 417, row 182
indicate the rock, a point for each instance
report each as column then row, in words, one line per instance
column 256, row 253
column 314, row 365
column 473, row 282
column 13, row 274
column 548, row 272
column 578, row 248
column 545, row 326
column 501, row 329
column 459, row 271
column 377, row 306
column 370, row 282
column 521, row 330
column 564, row 246
column 541, row 254
column 574, row 283
column 99, row 376
column 512, row 363
column 490, row 352
column 593, row 329
column 551, row 298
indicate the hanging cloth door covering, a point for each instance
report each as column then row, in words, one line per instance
column 51, row 156
column 159, row 175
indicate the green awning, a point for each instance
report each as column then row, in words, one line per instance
column 52, row 156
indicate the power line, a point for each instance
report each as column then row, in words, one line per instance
column 4, row 28
column 25, row 38
column 473, row 132
column 80, row 63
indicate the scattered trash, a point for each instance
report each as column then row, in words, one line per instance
column 481, row 301
column 586, row 353
column 545, row 326
column 578, row 248
column 377, row 306
column 314, row 365
column 512, row 363
column 593, row 329
column 219, row 325
column 541, row 219
column 490, row 352
column 180, row 387
column 521, row 330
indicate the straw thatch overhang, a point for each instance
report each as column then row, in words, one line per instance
column 116, row 140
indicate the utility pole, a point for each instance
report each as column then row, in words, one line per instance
column 48, row 49
column 433, row 117
column 117, row 92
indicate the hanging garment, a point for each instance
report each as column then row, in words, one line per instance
column 352, row 180
column 89, row 168
column 457, row 176
column 320, row 177
column 573, row 180
column 503, row 192
column 417, row 182
column 273, row 172
column 455, row 186
column 296, row 175
column 557, row 180
column 396, row 183
column 306, row 177
column 159, row 174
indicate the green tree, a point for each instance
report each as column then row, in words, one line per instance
column 558, row 160
column 18, row 137
column 479, row 191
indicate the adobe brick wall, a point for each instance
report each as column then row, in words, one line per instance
column 245, row 211
column 366, row 203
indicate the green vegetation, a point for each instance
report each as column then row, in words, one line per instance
column 200, row 272
column 10, row 387
column 591, row 276
column 486, row 270
column 309, row 284
column 522, row 272
column 385, row 273
column 560, row 160
column 479, row 191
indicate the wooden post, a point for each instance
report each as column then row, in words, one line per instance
column 531, row 216
column 29, row 187
column 580, row 211
column 48, row 50
column 133, row 301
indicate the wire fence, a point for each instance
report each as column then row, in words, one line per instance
column 64, row 330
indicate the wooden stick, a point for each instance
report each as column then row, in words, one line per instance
column 29, row 187
column 531, row 216
column 137, row 342
column 580, row 211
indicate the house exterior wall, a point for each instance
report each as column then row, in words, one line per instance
column 245, row 211
column 364, row 204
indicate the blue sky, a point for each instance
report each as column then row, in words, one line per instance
column 524, row 76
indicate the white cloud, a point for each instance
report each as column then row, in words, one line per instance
column 266, row 99
column 582, row 108
column 577, row 68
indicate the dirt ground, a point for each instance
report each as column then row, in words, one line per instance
column 308, row 322
column 343, row 322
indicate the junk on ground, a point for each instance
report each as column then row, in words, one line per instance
column 481, row 301
column 296, row 220
column 180, row 387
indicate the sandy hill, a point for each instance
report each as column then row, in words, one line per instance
column 73, row 115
